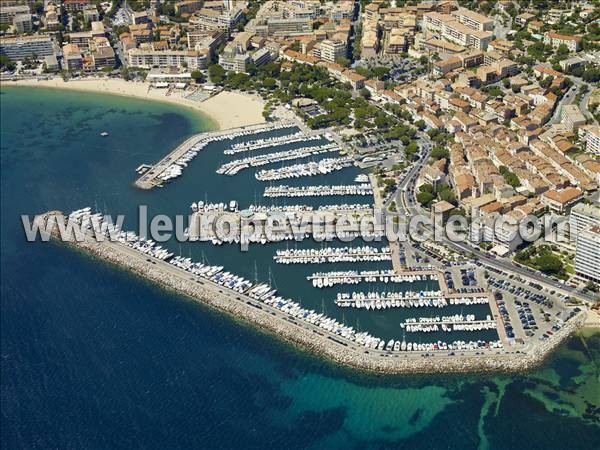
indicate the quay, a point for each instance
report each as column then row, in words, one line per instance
column 150, row 179
column 303, row 334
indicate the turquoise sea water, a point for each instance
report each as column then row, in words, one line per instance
column 96, row 358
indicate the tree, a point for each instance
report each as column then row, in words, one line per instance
column 216, row 73
column 420, row 124
column 6, row 63
column 426, row 188
column 365, row 93
column 343, row 61
column 197, row 76
column 447, row 195
column 439, row 152
column 549, row 264
column 425, row 198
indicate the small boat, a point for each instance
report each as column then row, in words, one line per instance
column 104, row 134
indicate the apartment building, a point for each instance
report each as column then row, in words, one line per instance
column 72, row 58
column 342, row 10
column 8, row 13
column 23, row 23
column 210, row 20
column 17, row 48
column 448, row 27
column 573, row 43
column 572, row 117
column 75, row 5
column 473, row 20
column 188, row 7
column 583, row 217
column 331, row 50
column 198, row 40
column 560, row 201
column 590, row 134
column 587, row 254
column 167, row 58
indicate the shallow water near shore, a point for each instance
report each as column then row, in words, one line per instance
column 96, row 358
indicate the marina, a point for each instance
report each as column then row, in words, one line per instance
column 260, row 304
column 317, row 191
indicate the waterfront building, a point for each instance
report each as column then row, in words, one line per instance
column 587, row 254
column 168, row 58
column 51, row 63
column 583, row 217
column 17, row 48
column 170, row 75
column 72, row 58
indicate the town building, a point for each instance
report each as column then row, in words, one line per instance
column 8, row 13
column 23, row 23
column 91, row 14
column 572, row 117
column 560, row 201
column 75, row 5
column 331, row 50
column 167, row 58
column 583, row 217
column 573, row 43
column 18, row 48
column 587, row 254
column 590, row 134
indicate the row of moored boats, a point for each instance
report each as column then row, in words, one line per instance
column 237, row 165
column 332, row 255
column 308, row 169
column 318, row 191
column 275, row 141
column 329, row 279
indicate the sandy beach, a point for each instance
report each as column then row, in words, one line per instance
column 226, row 109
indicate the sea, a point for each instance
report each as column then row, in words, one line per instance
column 93, row 357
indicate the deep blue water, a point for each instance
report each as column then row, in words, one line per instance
column 96, row 358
